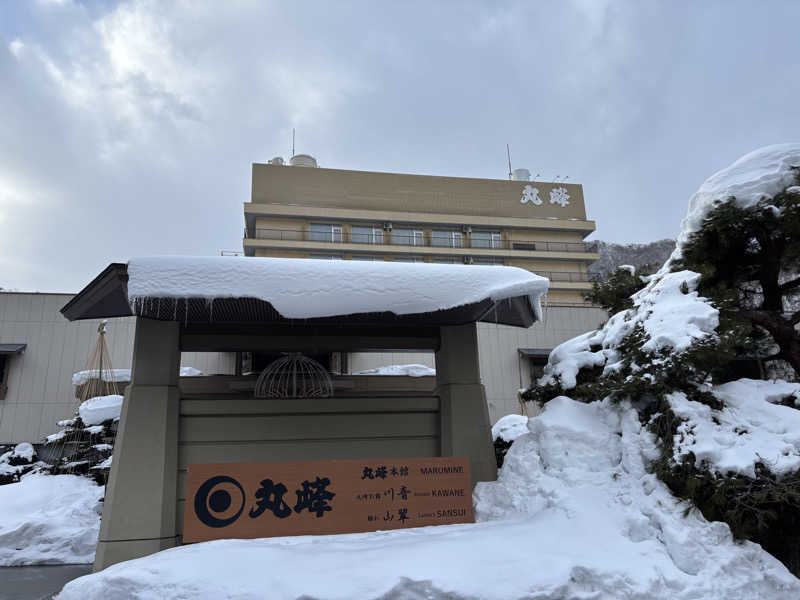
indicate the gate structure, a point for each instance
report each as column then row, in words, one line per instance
column 166, row 425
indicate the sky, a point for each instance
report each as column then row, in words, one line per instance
column 129, row 128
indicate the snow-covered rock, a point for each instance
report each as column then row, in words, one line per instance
column 412, row 370
column 101, row 408
column 49, row 519
column 575, row 514
column 24, row 451
column 750, row 428
column 301, row 289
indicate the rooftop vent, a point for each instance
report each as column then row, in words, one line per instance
column 520, row 175
column 303, row 160
column 278, row 160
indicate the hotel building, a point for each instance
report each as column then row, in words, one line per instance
column 302, row 211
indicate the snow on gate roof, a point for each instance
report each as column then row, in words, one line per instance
column 251, row 289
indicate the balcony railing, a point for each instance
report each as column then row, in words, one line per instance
column 565, row 277
column 411, row 237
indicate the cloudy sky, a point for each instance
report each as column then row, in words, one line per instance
column 129, row 128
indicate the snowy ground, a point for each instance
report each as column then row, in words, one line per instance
column 49, row 519
column 574, row 515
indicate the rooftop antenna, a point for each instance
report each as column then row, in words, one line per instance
column 292, row 141
column 508, row 152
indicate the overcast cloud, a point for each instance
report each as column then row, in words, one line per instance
column 129, row 128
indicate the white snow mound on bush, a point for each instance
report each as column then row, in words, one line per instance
column 749, row 429
column 574, row 515
column 510, row 427
column 671, row 319
column 49, row 519
column 755, row 176
column 121, row 375
column 101, row 408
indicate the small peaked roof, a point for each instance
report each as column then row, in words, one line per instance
column 280, row 290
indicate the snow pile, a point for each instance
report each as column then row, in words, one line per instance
column 101, row 408
column 669, row 309
column 510, row 428
column 49, row 519
column 776, row 391
column 761, row 174
column 302, row 289
column 409, row 370
column 749, row 429
column 576, row 488
column 122, row 375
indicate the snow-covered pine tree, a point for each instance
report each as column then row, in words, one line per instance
column 749, row 259
column 730, row 289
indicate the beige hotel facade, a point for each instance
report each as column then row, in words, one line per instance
column 302, row 211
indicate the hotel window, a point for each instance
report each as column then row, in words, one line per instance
column 450, row 239
column 487, row 261
column 411, row 259
column 446, row 261
column 362, row 257
column 408, row 237
column 486, row 239
column 324, row 232
column 367, row 235
column 325, row 256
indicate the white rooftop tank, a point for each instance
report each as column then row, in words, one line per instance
column 278, row 160
column 520, row 175
column 303, row 160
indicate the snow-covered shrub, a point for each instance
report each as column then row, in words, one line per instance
column 86, row 441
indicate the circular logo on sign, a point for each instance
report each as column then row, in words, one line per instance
column 219, row 501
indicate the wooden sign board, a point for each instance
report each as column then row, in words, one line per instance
column 266, row 499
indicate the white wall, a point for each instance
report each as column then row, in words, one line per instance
column 503, row 371
column 39, row 381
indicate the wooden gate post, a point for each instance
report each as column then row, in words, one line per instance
column 465, row 426
column 140, row 502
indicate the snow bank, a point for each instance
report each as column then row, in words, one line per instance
column 510, row 427
column 123, row 375
column 49, row 519
column 101, row 408
column 574, row 515
column 749, row 429
column 301, row 289
column 669, row 309
column 760, row 174
column 410, row 370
